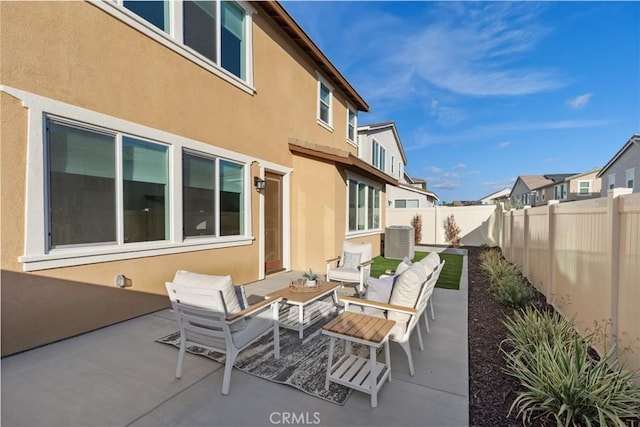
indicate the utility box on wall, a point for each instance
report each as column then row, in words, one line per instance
column 399, row 242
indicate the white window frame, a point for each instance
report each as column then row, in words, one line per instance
column 417, row 201
column 322, row 81
column 353, row 141
column 174, row 38
column 393, row 163
column 379, row 152
column 611, row 181
column 38, row 256
column 369, row 184
column 629, row 175
column 588, row 192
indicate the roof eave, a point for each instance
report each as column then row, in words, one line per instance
column 278, row 13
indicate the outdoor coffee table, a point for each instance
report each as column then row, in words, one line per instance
column 359, row 373
column 305, row 308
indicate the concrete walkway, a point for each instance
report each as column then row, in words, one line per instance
column 119, row 376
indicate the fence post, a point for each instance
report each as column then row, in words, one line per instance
column 613, row 219
column 511, row 235
column 525, row 243
column 551, row 252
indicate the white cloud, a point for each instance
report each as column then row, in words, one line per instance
column 445, row 185
column 478, row 58
column 471, row 173
column 579, row 101
column 434, row 169
column 460, row 166
column 559, row 124
column 503, row 145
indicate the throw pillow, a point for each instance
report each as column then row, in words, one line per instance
column 379, row 290
column 351, row 260
column 403, row 266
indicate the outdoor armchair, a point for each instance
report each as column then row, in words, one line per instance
column 403, row 307
column 352, row 266
column 209, row 316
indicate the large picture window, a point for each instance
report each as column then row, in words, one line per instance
column 364, row 206
column 82, row 185
column 231, row 199
column 198, row 195
column 145, row 191
column 88, row 195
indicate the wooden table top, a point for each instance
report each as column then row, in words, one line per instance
column 303, row 297
column 360, row 326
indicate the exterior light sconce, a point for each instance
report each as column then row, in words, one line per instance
column 258, row 183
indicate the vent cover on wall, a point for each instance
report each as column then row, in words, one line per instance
column 398, row 242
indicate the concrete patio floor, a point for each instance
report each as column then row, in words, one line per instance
column 119, row 376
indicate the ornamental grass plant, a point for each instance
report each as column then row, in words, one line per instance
column 562, row 382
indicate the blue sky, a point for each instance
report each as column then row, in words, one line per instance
column 482, row 92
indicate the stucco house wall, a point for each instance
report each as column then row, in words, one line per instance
column 81, row 61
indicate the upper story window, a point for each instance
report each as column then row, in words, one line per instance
column 584, row 187
column 325, row 103
column 217, row 30
column 629, row 177
column 393, row 162
column 352, row 124
column 378, row 156
column 155, row 12
column 612, row 180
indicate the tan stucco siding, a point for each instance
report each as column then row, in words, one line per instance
column 77, row 53
column 102, row 64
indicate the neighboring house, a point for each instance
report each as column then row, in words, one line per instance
column 623, row 170
column 569, row 188
column 536, row 190
column 379, row 144
column 522, row 192
column 139, row 138
column 496, row 197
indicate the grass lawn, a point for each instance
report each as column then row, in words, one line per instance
column 449, row 278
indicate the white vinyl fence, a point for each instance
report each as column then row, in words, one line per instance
column 584, row 256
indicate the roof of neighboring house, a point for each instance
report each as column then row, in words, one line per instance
column 383, row 125
column 505, row 192
column 533, row 181
column 580, row 175
column 336, row 155
column 635, row 139
column 278, row 13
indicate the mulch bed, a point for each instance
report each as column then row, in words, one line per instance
column 491, row 391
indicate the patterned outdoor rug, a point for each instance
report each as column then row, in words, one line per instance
column 302, row 363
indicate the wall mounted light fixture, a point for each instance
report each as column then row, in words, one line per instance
column 258, row 183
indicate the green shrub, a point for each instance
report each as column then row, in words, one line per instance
column 562, row 383
column 495, row 266
column 530, row 327
column 514, row 291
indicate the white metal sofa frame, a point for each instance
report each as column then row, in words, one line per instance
column 413, row 312
column 205, row 327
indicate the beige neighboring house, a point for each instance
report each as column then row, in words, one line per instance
column 580, row 186
column 623, row 170
column 136, row 142
column 522, row 193
column 496, row 197
column 379, row 144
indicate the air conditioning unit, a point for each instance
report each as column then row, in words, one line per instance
column 399, row 242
